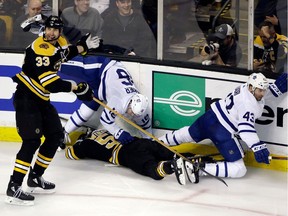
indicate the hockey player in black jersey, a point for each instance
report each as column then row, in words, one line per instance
column 35, row 115
column 143, row 156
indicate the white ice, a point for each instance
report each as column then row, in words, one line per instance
column 90, row 187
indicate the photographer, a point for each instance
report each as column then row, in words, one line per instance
column 222, row 48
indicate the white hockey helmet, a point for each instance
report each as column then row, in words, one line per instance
column 258, row 80
column 139, row 104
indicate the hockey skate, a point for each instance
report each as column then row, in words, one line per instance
column 179, row 169
column 37, row 184
column 16, row 196
column 192, row 171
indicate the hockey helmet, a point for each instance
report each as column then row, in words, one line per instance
column 139, row 104
column 258, row 80
column 54, row 22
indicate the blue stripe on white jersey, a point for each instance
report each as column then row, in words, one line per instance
column 102, row 89
column 223, row 117
column 246, row 128
column 108, row 119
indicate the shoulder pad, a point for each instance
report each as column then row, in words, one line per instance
column 41, row 47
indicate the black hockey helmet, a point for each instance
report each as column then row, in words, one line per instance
column 54, row 22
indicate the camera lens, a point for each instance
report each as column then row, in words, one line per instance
column 207, row 49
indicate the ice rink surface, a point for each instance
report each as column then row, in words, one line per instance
column 90, row 187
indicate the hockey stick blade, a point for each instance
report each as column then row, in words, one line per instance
column 216, row 177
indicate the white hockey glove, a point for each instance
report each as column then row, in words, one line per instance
column 88, row 42
column 279, row 87
column 261, row 152
column 26, row 25
column 67, row 139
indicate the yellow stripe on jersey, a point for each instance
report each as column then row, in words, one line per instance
column 115, row 153
column 48, row 77
column 23, row 163
column 70, row 154
column 35, row 87
column 160, row 169
column 44, row 158
column 41, row 164
column 44, row 48
column 21, row 166
column 43, row 161
column 20, row 170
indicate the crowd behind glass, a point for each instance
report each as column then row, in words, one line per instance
column 200, row 31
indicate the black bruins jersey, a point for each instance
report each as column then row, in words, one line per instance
column 278, row 49
column 104, row 145
column 41, row 63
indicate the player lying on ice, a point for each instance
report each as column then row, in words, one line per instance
column 234, row 115
column 143, row 156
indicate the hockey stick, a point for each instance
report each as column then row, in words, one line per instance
column 278, row 157
column 154, row 138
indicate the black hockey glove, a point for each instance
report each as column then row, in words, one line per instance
column 84, row 92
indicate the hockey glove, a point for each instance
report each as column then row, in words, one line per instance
column 84, row 92
column 279, row 87
column 26, row 25
column 261, row 152
column 123, row 137
column 67, row 139
column 88, row 42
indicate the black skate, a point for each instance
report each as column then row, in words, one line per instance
column 185, row 170
column 16, row 196
column 37, row 184
column 179, row 169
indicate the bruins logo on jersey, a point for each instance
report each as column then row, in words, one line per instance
column 44, row 46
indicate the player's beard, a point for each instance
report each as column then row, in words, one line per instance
column 50, row 39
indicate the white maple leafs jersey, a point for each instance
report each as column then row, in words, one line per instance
column 117, row 88
column 238, row 112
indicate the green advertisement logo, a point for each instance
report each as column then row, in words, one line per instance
column 178, row 100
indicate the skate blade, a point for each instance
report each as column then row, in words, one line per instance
column 37, row 190
column 19, row 202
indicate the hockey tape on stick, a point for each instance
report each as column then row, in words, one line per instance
column 151, row 136
column 278, row 157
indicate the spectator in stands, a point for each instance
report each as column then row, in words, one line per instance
column 22, row 39
column 126, row 27
column 11, row 7
column 82, row 17
column 266, row 10
column 270, row 49
column 222, row 47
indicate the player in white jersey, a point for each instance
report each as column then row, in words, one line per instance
column 234, row 115
column 112, row 83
